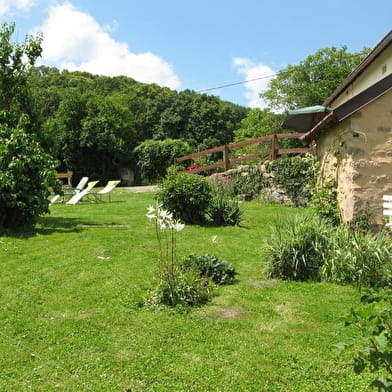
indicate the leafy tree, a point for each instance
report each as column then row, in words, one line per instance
column 93, row 123
column 258, row 123
column 26, row 172
column 16, row 61
column 313, row 79
column 155, row 156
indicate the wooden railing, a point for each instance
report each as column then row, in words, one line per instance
column 274, row 152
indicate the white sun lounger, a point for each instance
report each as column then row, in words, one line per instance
column 78, row 196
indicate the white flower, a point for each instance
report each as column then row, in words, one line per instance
column 150, row 216
column 162, row 224
column 150, row 209
column 178, row 226
column 165, row 214
column 214, row 239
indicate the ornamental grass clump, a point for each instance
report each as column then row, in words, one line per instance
column 295, row 248
column 175, row 286
column 357, row 257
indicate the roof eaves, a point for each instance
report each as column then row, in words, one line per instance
column 320, row 125
column 386, row 41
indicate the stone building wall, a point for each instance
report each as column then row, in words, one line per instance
column 358, row 153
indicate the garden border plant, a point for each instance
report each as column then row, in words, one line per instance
column 175, row 285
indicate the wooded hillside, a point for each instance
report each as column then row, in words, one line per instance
column 92, row 124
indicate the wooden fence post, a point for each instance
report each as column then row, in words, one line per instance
column 274, row 152
column 226, row 157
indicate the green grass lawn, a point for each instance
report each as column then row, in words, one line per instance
column 71, row 320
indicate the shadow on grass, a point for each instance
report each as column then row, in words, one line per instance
column 49, row 225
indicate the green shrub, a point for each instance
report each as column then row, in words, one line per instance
column 220, row 271
column 296, row 175
column 363, row 219
column 187, row 196
column 188, row 288
column 154, row 157
column 357, row 257
column 325, row 204
column 250, row 182
column 224, row 211
column 374, row 322
column 295, row 248
column 26, row 172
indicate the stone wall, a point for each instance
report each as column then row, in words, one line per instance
column 271, row 192
column 357, row 153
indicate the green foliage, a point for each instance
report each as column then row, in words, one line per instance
column 295, row 248
column 258, row 123
column 93, row 123
column 224, row 210
column 250, row 182
column 296, row 175
column 325, row 204
column 154, row 157
column 176, row 286
column 26, row 172
column 188, row 288
column 357, row 257
column 374, row 322
column 16, row 61
column 363, row 219
column 311, row 248
column 187, row 196
column 221, row 272
column 313, row 80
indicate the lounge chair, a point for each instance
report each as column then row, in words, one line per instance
column 105, row 191
column 79, row 187
column 69, row 192
column 78, row 196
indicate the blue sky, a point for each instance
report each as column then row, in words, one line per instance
column 195, row 44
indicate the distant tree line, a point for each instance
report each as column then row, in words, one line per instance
column 92, row 124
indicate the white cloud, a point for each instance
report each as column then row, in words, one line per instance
column 252, row 70
column 73, row 40
column 9, row 6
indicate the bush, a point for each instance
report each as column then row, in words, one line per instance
column 26, row 172
column 357, row 257
column 310, row 248
column 209, row 266
column 297, row 175
column 224, row 211
column 154, row 157
column 251, row 183
column 325, row 204
column 187, row 196
column 189, row 289
column 374, row 322
column 295, row 248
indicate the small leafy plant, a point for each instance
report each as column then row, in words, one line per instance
column 224, row 211
column 175, row 286
column 325, row 204
column 220, row 271
column 374, row 322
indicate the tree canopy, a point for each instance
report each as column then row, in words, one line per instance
column 313, row 80
column 26, row 171
column 92, row 123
